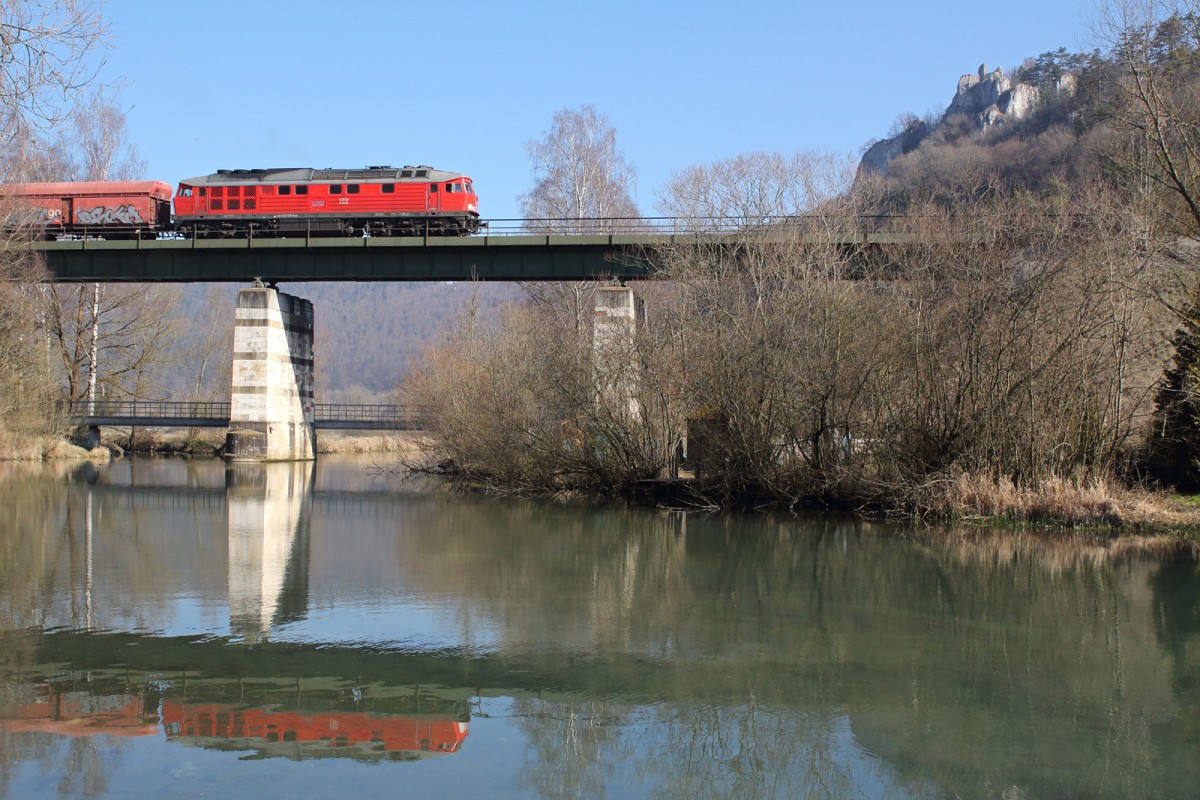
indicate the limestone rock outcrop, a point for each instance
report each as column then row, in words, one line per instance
column 988, row 97
column 877, row 156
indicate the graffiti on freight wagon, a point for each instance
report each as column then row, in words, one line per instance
column 102, row 215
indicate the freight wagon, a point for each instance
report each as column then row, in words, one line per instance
column 112, row 209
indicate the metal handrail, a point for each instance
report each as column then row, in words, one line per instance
column 221, row 409
column 363, row 412
column 148, row 409
column 585, row 226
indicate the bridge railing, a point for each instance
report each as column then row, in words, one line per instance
column 609, row 226
column 606, row 226
column 181, row 412
column 146, row 409
column 382, row 415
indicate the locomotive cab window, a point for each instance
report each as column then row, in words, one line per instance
column 202, row 191
column 186, row 192
column 433, row 187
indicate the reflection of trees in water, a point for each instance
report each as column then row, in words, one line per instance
column 31, row 523
column 1177, row 618
column 977, row 661
column 744, row 752
column 984, row 663
column 84, row 764
column 139, row 547
column 750, row 751
column 572, row 747
column 85, row 771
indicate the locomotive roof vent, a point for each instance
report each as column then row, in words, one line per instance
column 223, row 172
column 241, row 172
column 381, row 166
column 258, row 172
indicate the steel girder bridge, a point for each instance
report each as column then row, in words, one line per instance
column 244, row 257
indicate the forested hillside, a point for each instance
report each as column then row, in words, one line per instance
column 366, row 333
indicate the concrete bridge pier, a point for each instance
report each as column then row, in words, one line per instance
column 271, row 413
column 620, row 314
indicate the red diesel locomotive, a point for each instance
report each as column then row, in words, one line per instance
column 376, row 201
column 380, row 201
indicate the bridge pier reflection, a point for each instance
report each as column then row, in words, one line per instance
column 270, row 517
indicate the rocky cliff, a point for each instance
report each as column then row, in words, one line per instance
column 987, row 98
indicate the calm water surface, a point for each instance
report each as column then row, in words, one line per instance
column 180, row 629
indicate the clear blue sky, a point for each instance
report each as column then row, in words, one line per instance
column 225, row 84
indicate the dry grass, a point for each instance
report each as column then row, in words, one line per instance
column 18, row 447
column 1069, row 502
column 204, row 441
column 408, row 444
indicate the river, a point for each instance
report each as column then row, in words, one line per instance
column 175, row 628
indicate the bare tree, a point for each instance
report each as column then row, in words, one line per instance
column 50, row 52
column 754, row 189
column 582, row 183
column 134, row 333
column 100, row 143
column 103, row 152
column 1156, row 48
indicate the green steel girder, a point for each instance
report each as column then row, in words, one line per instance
column 506, row 258
column 413, row 258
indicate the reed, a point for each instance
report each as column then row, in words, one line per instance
column 1059, row 500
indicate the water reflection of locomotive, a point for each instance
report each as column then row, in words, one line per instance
column 375, row 201
column 312, row 734
column 111, row 708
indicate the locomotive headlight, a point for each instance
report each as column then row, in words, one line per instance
column 471, row 207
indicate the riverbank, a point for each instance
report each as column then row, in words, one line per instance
column 403, row 446
column 1097, row 505
column 1093, row 506
column 41, row 447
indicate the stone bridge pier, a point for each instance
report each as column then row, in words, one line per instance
column 620, row 315
column 271, row 414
